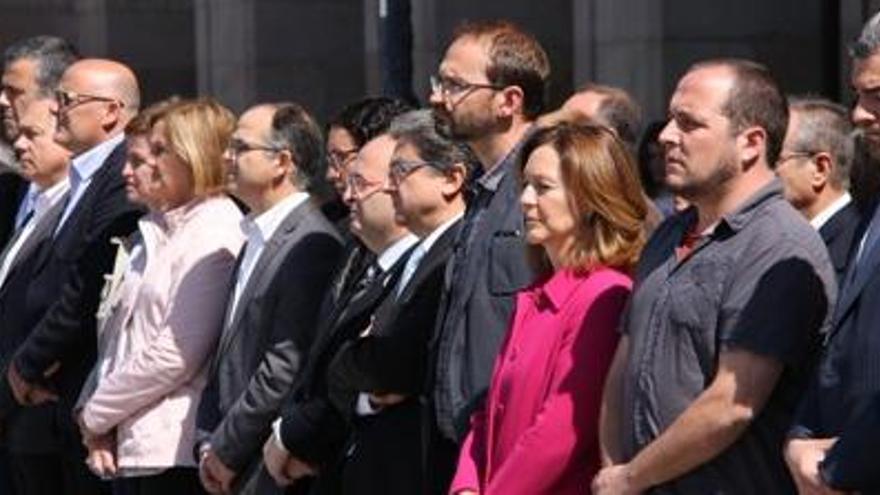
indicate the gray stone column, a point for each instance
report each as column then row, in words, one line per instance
column 225, row 55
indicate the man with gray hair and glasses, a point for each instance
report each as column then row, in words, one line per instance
column 814, row 167
column 833, row 443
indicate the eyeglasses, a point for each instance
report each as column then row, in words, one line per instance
column 237, row 147
column 362, row 188
column 338, row 158
column 447, row 86
column 69, row 99
column 784, row 157
column 399, row 170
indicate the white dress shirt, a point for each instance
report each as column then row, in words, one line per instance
column 42, row 202
column 82, row 170
column 259, row 230
column 838, row 204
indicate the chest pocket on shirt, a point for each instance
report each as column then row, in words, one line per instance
column 508, row 267
column 694, row 304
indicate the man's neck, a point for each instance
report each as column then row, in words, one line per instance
column 492, row 148
column 379, row 247
column 823, row 201
column 437, row 218
column 270, row 198
column 728, row 197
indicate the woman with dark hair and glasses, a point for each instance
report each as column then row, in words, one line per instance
column 585, row 225
column 161, row 321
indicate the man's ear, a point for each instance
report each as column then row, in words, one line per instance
column 752, row 144
column 510, row 101
column 112, row 115
column 454, row 181
column 823, row 167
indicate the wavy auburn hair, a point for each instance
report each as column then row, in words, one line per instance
column 604, row 193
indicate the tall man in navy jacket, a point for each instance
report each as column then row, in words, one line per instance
column 488, row 91
column 834, row 441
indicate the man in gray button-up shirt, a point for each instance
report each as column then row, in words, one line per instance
column 730, row 301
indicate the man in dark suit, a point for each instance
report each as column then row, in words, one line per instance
column 95, row 100
column 814, row 167
column 29, row 439
column 312, row 433
column 378, row 380
column 274, row 156
column 833, row 444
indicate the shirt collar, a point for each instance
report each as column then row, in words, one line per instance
column 838, row 204
column 559, row 288
column 741, row 217
column 48, row 197
column 264, row 225
column 435, row 234
column 84, row 165
column 492, row 178
column 393, row 252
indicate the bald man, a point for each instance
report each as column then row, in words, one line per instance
column 95, row 100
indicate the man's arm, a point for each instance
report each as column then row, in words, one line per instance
column 714, row 421
column 609, row 415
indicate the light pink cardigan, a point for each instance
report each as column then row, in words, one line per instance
column 162, row 333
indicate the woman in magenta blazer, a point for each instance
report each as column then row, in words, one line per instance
column 584, row 221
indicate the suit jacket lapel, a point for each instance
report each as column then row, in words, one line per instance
column 267, row 263
column 438, row 253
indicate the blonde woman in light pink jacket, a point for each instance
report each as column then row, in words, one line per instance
column 166, row 312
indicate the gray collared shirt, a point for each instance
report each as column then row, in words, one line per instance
column 761, row 281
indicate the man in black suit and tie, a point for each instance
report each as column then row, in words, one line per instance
column 378, row 381
column 274, row 157
column 95, row 100
column 312, row 434
column 833, row 443
column 814, row 167
column 29, row 436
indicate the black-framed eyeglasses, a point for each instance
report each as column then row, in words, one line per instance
column 399, row 170
column 238, row 147
column 69, row 99
column 449, row 86
column 338, row 158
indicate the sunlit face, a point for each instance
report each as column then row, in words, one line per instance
column 796, row 168
column 140, row 172
column 550, row 219
column 372, row 210
column 341, row 151
column 81, row 122
column 417, row 189
column 699, row 144
column 41, row 159
column 252, row 167
column 176, row 186
column 19, row 90
column 466, row 106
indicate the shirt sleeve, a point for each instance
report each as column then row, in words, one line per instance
column 776, row 302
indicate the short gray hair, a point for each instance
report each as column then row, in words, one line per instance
column 419, row 129
column 869, row 39
column 294, row 129
column 824, row 126
column 52, row 54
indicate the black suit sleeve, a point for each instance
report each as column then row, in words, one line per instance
column 313, row 430
column 70, row 321
column 392, row 359
column 305, row 277
column 850, row 464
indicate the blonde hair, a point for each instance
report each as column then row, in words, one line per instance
column 198, row 132
column 604, row 193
